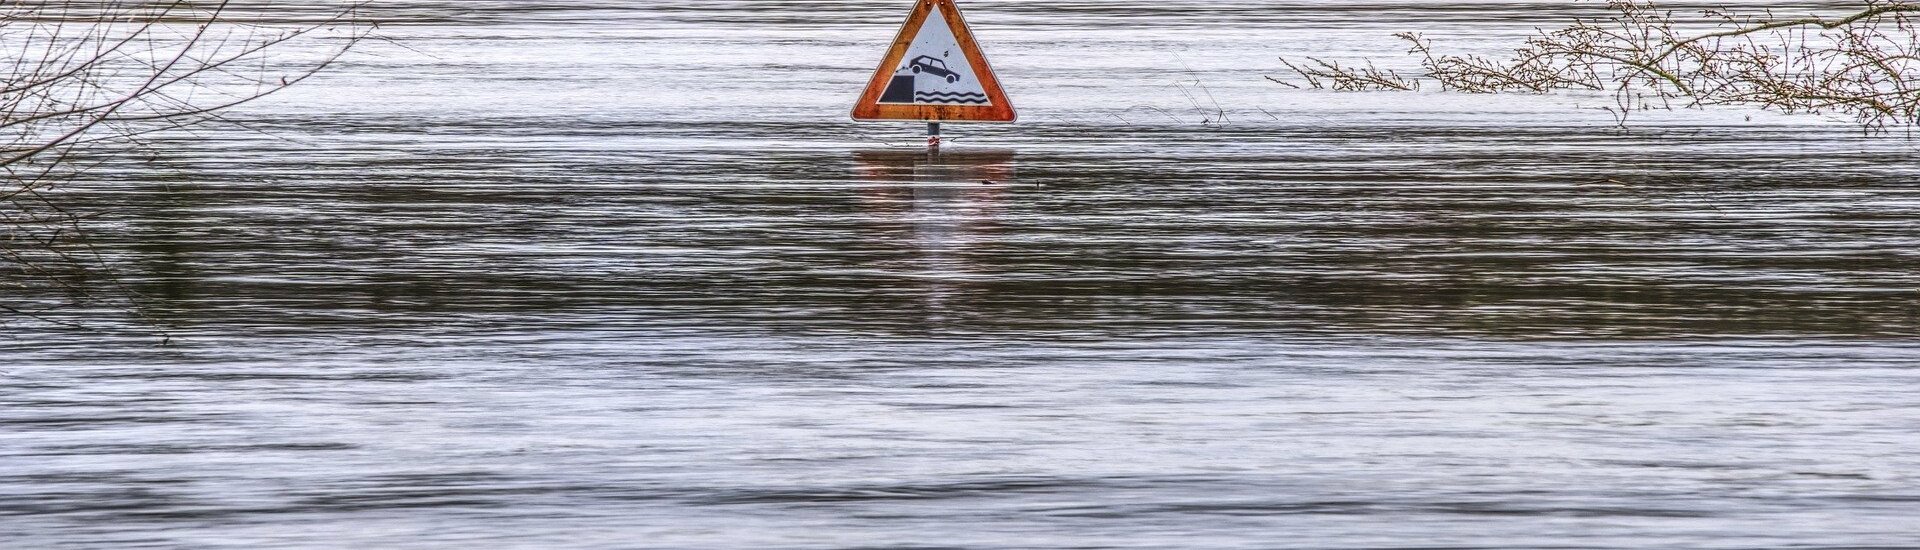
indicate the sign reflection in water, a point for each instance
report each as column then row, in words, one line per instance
column 949, row 200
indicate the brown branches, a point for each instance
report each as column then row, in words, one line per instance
column 87, row 78
column 1322, row 74
column 1864, row 65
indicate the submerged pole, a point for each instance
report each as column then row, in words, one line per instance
column 933, row 135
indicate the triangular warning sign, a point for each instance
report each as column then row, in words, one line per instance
column 935, row 72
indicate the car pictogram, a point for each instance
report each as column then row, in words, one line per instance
column 928, row 64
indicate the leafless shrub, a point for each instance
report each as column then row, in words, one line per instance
column 1861, row 65
column 85, row 80
column 1323, row 74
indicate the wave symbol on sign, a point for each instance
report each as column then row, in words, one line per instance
column 949, row 97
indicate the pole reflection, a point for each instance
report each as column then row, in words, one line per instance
column 950, row 201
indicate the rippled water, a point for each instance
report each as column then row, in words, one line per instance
column 621, row 275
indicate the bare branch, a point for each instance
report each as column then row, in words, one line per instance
column 85, row 80
column 1864, row 65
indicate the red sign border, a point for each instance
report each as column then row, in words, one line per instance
column 869, row 107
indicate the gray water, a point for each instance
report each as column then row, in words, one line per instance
column 622, row 275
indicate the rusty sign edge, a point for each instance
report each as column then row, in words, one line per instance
column 1001, row 111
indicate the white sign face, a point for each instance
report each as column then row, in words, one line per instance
column 936, row 70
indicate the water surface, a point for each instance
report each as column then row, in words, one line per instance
column 621, row 275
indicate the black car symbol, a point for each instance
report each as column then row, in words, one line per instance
column 927, row 63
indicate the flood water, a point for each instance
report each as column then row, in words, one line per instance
column 622, row 274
